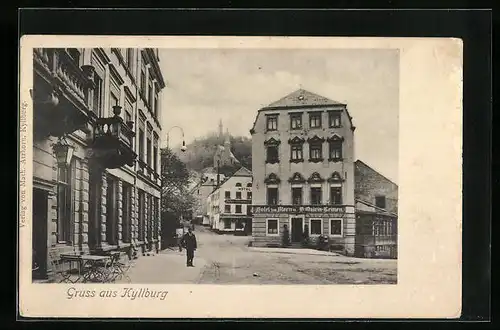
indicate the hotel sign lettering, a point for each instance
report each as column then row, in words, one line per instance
column 298, row 209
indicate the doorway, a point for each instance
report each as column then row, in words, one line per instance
column 40, row 237
column 297, row 229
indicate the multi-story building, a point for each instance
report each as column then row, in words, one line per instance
column 229, row 205
column 206, row 185
column 303, row 171
column 376, row 213
column 96, row 161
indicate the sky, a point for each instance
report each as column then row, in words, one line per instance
column 208, row 85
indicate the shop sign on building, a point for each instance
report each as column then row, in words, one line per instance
column 296, row 209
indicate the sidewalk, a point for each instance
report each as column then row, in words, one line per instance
column 293, row 251
column 167, row 267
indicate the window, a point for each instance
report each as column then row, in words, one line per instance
column 130, row 59
column 335, row 150
column 315, row 227
column 249, row 195
column 316, row 195
column 238, row 195
column 238, row 209
column 238, row 184
column 150, row 94
column 113, row 100
column 65, row 203
column 334, row 119
column 227, row 194
column 156, row 106
column 126, row 212
column 128, row 110
column 272, row 123
column 227, row 208
column 141, row 144
column 336, row 195
column 75, row 54
column 150, row 217
column 296, row 195
column 272, row 154
column 249, row 210
column 155, row 153
column 249, row 185
column 296, row 121
column 111, row 210
column 143, row 79
column 148, row 151
column 380, row 201
column 272, row 196
column 296, row 152
column 315, row 151
column 315, row 120
column 272, row 227
column 336, row 227
column 98, row 98
column 227, row 224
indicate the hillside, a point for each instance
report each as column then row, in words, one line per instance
column 200, row 153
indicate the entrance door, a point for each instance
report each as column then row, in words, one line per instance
column 297, row 230
column 39, row 241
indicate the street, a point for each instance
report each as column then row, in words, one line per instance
column 227, row 259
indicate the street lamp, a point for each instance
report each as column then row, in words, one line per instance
column 183, row 147
column 63, row 151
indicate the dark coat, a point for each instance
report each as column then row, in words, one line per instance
column 189, row 241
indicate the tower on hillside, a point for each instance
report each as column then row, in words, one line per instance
column 223, row 154
column 221, row 131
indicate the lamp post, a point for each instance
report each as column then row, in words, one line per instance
column 183, row 147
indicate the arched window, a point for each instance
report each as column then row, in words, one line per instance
column 249, row 185
column 238, row 184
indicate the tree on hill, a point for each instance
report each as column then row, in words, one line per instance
column 200, row 153
column 175, row 197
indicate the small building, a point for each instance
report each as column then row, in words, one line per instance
column 376, row 213
column 303, row 171
column 206, row 185
column 229, row 205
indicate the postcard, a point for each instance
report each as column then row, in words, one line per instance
column 240, row 177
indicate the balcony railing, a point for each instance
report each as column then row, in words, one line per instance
column 62, row 67
column 112, row 130
column 113, row 141
column 61, row 90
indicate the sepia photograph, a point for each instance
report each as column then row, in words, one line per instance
column 157, row 172
column 293, row 183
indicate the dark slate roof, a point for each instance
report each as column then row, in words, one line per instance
column 301, row 98
column 243, row 171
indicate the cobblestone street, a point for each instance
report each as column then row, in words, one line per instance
column 227, row 259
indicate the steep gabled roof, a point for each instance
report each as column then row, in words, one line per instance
column 301, row 98
column 361, row 163
column 243, row 171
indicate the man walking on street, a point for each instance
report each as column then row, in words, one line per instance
column 189, row 243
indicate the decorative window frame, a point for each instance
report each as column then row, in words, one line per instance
column 272, row 142
column 310, row 227
column 316, row 141
column 315, row 178
column 332, row 113
column 341, row 227
column 293, row 115
column 277, row 226
column 335, row 178
column 335, row 139
column 272, row 178
column 272, row 115
column 297, row 178
column 315, row 113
